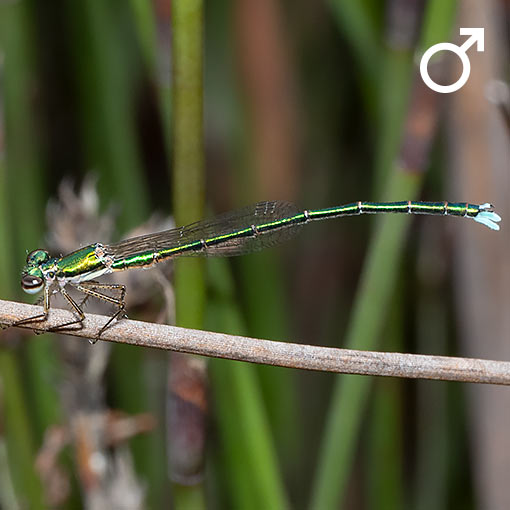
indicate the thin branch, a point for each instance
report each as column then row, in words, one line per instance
column 283, row 354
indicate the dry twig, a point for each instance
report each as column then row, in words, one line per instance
column 309, row 357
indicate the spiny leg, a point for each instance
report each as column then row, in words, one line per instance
column 40, row 300
column 36, row 318
column 90, row 288
column 93, row 284
column 75, row 307
column 83, row 302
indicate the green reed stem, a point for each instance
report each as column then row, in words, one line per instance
column 368, row 318
column 254, row 479
column 188, row 175
column 188, row 157
column 15, row 422
column 360, row 26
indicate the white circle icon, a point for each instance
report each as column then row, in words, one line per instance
column 477, row 36
column 466, row 67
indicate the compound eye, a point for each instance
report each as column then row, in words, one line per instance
column 31, row 284
column 37, row 257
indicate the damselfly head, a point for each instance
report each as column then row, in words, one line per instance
column 32, row 280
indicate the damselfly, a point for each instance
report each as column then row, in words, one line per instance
column 234, row 233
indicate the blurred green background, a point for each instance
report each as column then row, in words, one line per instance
column 319, row 103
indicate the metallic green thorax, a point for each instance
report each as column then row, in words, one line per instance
column 71, row 267
column 80, row 262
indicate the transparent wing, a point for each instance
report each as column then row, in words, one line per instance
column 223, row 224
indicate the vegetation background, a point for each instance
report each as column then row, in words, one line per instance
column 319, row 103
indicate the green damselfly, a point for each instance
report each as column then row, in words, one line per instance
column 234, row 233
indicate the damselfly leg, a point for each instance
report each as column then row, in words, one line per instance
column 41, row 317
column 90, row 288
